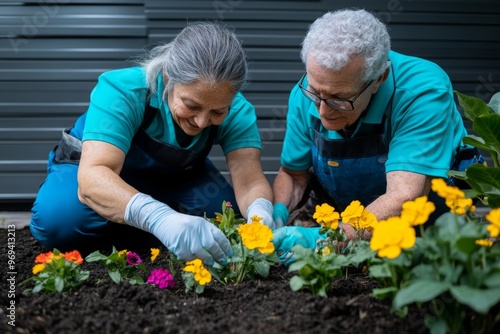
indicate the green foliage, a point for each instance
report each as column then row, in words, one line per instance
column 59, row 275
column 457, row 279
column 316, row 270
column 485, row 181
column 118, row 268
column 245, row 263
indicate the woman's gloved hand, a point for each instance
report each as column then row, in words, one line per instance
column 261, row 207
column 188, row 237
column 280, row 214
column 287, row 237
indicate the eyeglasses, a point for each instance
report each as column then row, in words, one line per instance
column 339, row 104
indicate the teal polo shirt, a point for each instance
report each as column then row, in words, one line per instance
column 116, row 111
column 425, row 128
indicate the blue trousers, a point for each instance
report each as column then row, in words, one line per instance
column 61, row 221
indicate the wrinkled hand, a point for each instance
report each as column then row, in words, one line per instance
column 280, row 214
column 261, row 207
column 289, row 236
column 188, row 237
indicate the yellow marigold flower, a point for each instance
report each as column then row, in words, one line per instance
column 484, row 242
column 154, row 254
column 256, row 219
column 201, row 274
column 460, row 206
column 366, row 221
column 352, row 213
column 443, row 190
column 37, row 268
column 325, row 251
column 391, row 236
column 192, row 266
column 257, row 235
column 418, row 211
column 122, row 252
column 494, row 218
column 326, row 215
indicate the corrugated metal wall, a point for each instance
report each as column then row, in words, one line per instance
column 51, row 52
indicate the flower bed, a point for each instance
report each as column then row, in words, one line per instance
column 261, row 305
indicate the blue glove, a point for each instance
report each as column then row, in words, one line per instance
column 280, row 214
column 262, row 208
column 188, row 237
column 287, row 237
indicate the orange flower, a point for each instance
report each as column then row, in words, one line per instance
column 44, row 257
column 74, row 256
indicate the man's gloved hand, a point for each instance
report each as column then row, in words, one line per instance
column 280, row 214
column 261, row 207
column 287, row 237
column 188, row 237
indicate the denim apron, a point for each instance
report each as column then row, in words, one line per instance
column 351, row 168
column 151, row 161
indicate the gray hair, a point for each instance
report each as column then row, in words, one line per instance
column 201, row 51
column 337, row 36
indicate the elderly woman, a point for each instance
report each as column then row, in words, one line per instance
column 138, row 156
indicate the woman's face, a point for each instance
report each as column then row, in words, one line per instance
column 199, row 104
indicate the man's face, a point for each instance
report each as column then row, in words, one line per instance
column 345, row 84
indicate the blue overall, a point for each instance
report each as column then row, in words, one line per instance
column 350, row 168
column 185, row 180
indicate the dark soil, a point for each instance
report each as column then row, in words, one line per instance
column 255, row 306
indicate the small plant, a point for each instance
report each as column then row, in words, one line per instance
column 253, row 252
column 485, row 181
column 57, row 272
column 453, row 269
column 317, row 268
column 196, row 276
column 121, row 265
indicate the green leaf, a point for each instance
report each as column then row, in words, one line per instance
column 488, row 127
column 485, row 180
column 59, row 284
column 95, row 256
column 379, row 271
column 262, row 268
column 480, row 300
column 296, row 283
column 382, row 293
column 436, row 325
column 424, row 271
column 418, row 291
column 480, row 144
column 472, row 106
column 493, row 280
column 494, row 103
column 115, row 276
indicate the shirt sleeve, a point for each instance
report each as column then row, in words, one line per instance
column 116, row 107
column 427, row 127
column 296, row 153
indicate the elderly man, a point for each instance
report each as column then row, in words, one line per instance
column 364, row 123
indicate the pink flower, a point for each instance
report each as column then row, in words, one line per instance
column 162, row 278
column 133, row 259
column 229, row 205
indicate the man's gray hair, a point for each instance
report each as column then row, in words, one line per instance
column 337, row 36
column 201, row 51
